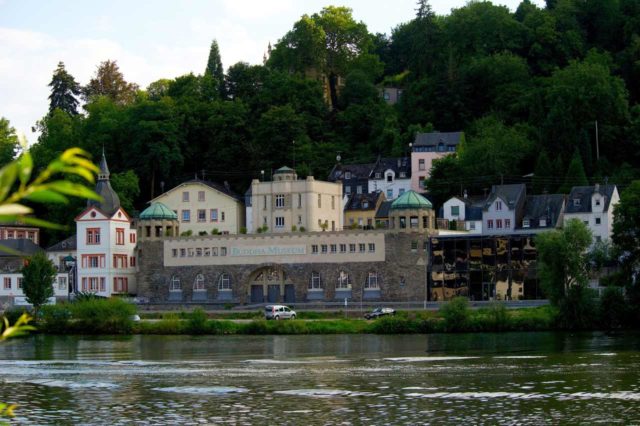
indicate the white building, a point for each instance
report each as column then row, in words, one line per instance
column 466, row 214
column 106, row 262
column 391, row 176
column 593, row 205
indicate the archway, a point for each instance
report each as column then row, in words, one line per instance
column 270, row 284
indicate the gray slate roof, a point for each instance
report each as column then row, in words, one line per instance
column 68, row 244
column 584, row 193
column 356, row 201
column 358, row 171
column 435, row 138
column 511, row 194
column 383, row 210
column 547, row 206
column 225, row 189
column 397, row 164
column 23, row 246
column 110, row 201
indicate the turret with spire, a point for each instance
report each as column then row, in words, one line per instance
column 110, row 201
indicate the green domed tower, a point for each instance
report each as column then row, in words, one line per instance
column 158, row 221
column 411, row 212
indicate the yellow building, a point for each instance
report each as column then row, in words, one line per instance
column 287, row 203
column 360, row 210
column 204, row 206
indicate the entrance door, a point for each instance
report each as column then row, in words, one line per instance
column 257, row 294
column 274, row 293
column 289, row 293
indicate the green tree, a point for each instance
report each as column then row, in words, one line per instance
column 626, row 237
column 575, row 174
column 38, row 276
column 64, row 91
column 109, row 81
column 214, row 66
column 563, row 268
column 543, row 175
column 8, row 142
column 127, row 186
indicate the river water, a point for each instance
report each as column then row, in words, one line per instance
column 511, row 378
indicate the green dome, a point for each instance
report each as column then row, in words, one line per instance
column 158, row 211
column 411, row 200
column 284, row 169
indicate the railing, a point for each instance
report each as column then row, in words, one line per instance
column 451, row 225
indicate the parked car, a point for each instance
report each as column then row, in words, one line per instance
column 278, row 312
column 379, row 312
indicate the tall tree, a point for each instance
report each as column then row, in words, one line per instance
column 543, row 175
column 38, row 273
column 626, row 237
column 575, row 174
column 109, row 81
column 64, row 91
column 214, row 66
column 8, row 142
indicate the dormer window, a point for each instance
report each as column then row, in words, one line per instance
column 543, row 222
column 498, row 205
column 576, row 202
column 441, row 147
column 403, row 175
column 347, row 175
column 389, row 177
column 378, row 175
column 526, row 223
column 597, row 201
column 365, row 205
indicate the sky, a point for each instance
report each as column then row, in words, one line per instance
column 152, row 39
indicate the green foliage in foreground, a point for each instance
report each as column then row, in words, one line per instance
column 89, row 316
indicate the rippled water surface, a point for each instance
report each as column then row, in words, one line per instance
column 514, row 378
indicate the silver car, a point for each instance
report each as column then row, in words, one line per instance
column 278, row 312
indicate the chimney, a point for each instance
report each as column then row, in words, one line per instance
column 465, row 194
column 226, row 185
column 399, row 162
column 596, row 188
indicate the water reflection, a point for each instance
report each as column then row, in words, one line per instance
column 527, row 378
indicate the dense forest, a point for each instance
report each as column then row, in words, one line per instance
column 547, row 92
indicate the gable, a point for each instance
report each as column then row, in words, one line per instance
column 89, row 214
column 174, row 195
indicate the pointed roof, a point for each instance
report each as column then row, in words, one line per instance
column 110, row 201
column 411, row 200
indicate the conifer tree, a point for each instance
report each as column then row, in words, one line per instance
column 214, row 65
column 64, row 91
column 543, row 175
column 575, row 174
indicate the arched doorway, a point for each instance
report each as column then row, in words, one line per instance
column 270, row 284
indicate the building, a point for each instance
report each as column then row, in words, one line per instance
column 64, row 256
column 287, row 203
column 382, row 215
column 391, row 95
column 106, row 243
column 542, row 213
column 18, row 231
column 360, row 210
column 428, row 147
column 354, row 177
column 158, row 221
column 12, row 258
column 392, row 176
column 503, row 209
column 204, row 206
column 462, row 214
column 411, row 212
column 594, row 206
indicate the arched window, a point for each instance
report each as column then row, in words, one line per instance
column 372, row 281
column 224, row 282
column 343, row 281
column 198, row 284
column 175, row 284
column 315, row 283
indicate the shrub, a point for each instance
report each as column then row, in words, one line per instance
column 393, row 325
column 455, row 314
column 108, row 316
column 186, row 233
column 86, row 295
column 294, row 228
column 613, row 309
column 243, row 229
column 203, row 233
column 498, row 317
column 215, row 231
column 302, row 229
column 197, row 322
column 576, row 310
column 253, row 327
column 222, row 327
column 55, row 318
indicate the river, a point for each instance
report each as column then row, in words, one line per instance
column 510, row 378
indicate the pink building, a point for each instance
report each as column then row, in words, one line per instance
column 426, row 148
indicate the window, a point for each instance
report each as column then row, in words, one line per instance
column 334, row 248
column 279, row 222
column 314, row 249
column 597, row 201
column 132, row 261
column 333, row 202
column 343, row 281
column 92, row 261
column 7, row 283
column 319, row 200
column 403, row 175
column 132, row 238
column 400, row 191
column 359, row 189
column 299, row 220
column 389, row 177
column 264, row 202
column 526, row 223
column 198, row 284
column 361, row 247
column 279, row 201
column 186, row 215
column 403, row 222
column 93, row 284
column 507, row 223
column 441, row 147
column 299, row 201
column 20, row 281
column 207, row 252
column 185, row 197
column 413, row 222
column 378, row 175
column 598, row 221
column 190, row 252
column 324, row 248
column 198, row 252
column 183, row 252
column 543, row 222
column 224, row 283
column 93, row 236
column 175, row 284
column 425, row 222
column 499, row 223
column 421, row 165
column 421, row 181
column 314, row 283
column 200, row 195
column 390, row 193
column 120, row 284
column 120, row 261
column 472, row 225
column 372, row 281
column 343, row 248
column 372, row 247
column 214, row 251
column 455, row 210
column 576, row 202
column 347, row 190
column 213, row 214
column 347, row 175
column 174, row 252
column 32, row 235
column 498, row 205
column 365, row 204
column 10, row 235
column 489, row 224
column 414, row 246
column 352, row 248
column 223, row 251
column 386, row 96
column 221, row 216
column 202, row 215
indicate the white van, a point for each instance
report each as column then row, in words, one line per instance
column 278, row 312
